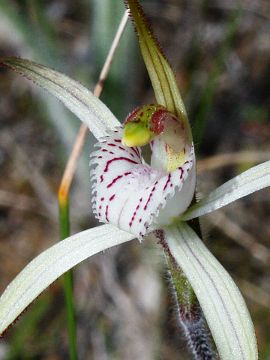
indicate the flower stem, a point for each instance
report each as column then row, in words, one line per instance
column 190, row 315
column 188, row 310
column 68, row 281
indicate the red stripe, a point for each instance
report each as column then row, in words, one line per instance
column 117, row 178
column 117, row 159
column 106, row 213
column 136, row 151
column 182, row 172
column 114, row 181
column 167, row 182
column 149, row 197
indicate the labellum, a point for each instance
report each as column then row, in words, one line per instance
column 136, row 196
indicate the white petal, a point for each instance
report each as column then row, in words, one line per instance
column 223, row 306
column 254, row 179
column 76, row 97
column 131, row 195
column 51, row 264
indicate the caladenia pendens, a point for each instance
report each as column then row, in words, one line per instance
column 138, row 199
column 161, row 190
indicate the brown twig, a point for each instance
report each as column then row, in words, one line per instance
column 69, row 171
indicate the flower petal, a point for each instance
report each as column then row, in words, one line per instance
column 133, row 196
column 223, row 306
column 75, row 97
column 51, row 264
column 254, row 179
column 159, row 70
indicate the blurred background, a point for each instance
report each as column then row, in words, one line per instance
column 220, row 51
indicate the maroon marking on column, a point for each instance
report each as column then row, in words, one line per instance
column 101, row 178
column 112, row 197
column 102, row 199
column 157, row 121
column 132, row 115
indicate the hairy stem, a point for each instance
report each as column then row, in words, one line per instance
column 188, row 311
column 189, row 315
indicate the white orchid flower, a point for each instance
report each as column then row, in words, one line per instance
column 161, row 190
column 136, row 198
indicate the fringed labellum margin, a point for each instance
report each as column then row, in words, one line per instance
column 133, row 195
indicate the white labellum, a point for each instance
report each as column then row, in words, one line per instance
column 131, row 194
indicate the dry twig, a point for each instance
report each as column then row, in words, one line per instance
column 218, row 161
column 69, row 172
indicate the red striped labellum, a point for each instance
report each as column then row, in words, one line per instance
column 136, row 196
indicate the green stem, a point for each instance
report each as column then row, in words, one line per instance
column 68, row 283
column 189, row 314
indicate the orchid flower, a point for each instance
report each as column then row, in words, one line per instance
column 136, row 198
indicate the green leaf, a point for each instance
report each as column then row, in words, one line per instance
column 87, row 107
column 254, row 179
column 222, row 304
column 161, row 75
column 52, row 263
